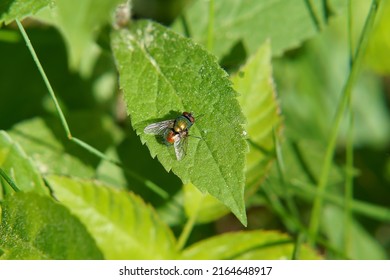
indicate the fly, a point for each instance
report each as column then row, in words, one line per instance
column 174, row 132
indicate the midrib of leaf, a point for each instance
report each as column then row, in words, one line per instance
column 6, row 154
column 153, row 62
column 118, row 229
column 84, row 8
column 260, row 117
column 262, row 99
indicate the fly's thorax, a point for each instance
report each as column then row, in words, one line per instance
column 183, row 123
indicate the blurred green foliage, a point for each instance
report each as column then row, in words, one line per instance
column 310, row 65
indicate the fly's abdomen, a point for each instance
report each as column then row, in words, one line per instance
column 169, row 137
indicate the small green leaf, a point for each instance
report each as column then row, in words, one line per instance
column 35, row 227
column 163, row 74
column 250, row 22
column 123, row 226
column 19, row 9
column 19, row 166
column 250, row 245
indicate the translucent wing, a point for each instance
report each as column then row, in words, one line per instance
column 180, row 146
column 159, row 127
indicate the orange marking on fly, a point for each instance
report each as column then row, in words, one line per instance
column 170, row 137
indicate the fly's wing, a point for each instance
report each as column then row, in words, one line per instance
column 159, row 127
column 180, row 146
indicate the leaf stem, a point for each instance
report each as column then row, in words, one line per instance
column 162, row 193
column 294, row 225
column 210, row 29
column 298, row 244
column 313, row 14
column 158, row 190
column 323, row 181
column 348, row 195
column 281, row 172
column 325, row 9
column 9, row 180
column 307, row 191
column 45, row 79
column 350, row 32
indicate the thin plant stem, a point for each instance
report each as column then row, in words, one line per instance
column 162, row 193
column 158, row 190
column 186, row 28
column 9, row 180
column 350, row 32
column 94, row 150
column 298, row 244
column 185, row 234
column 210, row 29
column 325, row 10
column 45, row 79
column 281, row 171
column 313, row 14
column 323, row 181
column 294, row 225
column 307, row 192
column 289, row 220
column 348, row 195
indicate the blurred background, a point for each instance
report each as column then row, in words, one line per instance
column 309, row 78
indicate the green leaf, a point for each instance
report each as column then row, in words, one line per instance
column 377, row 51
column 248, row 23
column 79, row 21
column 35, row 227
column 19, row 167
column 163, row 74
column 45, row 141
column 19, row 9
column 258, row 102
column 123, row 226
column 250, row 245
